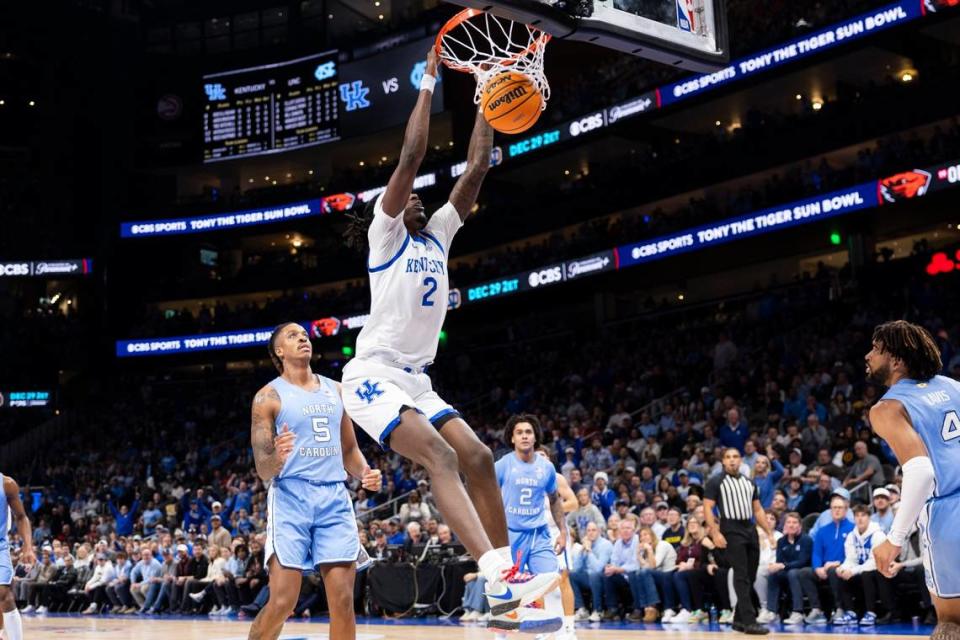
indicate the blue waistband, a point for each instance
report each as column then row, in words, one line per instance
column 316, row 483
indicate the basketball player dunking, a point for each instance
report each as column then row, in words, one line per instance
column 919, row 417
column 385, row 387
column 11, row 506
column 303, row 444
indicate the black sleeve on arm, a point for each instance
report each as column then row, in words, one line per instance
column 712, row 490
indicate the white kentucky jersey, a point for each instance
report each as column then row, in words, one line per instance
column 314, row 416
column 409, row 287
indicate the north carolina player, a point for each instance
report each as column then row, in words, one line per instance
column 386, row 389
column 302, row 442
column 529, row 487
column 11, row 508
column 919, row 417
column 568, row 501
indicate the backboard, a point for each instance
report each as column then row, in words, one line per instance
column 689, row 34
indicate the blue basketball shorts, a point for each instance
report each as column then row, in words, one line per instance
column 535, row 550
column 940, row 539
column 310, row 524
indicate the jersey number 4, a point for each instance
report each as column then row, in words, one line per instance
column 431, row 284
column 321, row 429
column 951, row 426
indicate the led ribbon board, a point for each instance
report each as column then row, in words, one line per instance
column 906, row 185
column 816, row 42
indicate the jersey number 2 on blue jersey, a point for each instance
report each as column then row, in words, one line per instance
column 321, row 430
column 951, row 426
column 432, row 283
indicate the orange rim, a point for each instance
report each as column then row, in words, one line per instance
column 465, row 15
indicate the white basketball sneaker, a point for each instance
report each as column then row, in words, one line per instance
column 517, row 589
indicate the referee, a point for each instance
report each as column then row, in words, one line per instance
column 737, row 501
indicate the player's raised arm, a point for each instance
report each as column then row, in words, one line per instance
column 270, row 450
column 20, row 519
column 414, row 145
column 891, row 422
column 465, row 192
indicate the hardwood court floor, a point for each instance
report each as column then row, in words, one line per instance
column 75, row 627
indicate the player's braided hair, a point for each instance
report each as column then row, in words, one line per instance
column 913, row 345
column 272, row 346
column 356, row 234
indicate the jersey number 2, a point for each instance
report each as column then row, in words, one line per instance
column 951, row 426
column 321, row 430
column 427, row 297
column 526, row 496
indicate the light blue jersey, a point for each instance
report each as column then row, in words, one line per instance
column 934, row 410
column 6, row 566
column 310, row 514
column 524, row 485
column 314, row 416
column 4, row 516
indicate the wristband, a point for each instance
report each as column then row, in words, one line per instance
column 427, row 83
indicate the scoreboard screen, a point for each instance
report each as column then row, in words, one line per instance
column 271, row 108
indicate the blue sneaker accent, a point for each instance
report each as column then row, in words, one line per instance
column 505, row 596
column 546, row 625
column 869, row 619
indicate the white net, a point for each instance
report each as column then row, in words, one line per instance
column 484, row 44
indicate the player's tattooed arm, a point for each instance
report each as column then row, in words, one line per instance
column 465, row 192
column 266, row 405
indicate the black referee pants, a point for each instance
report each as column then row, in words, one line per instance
column 742, row 555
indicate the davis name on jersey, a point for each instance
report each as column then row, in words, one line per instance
column 934, row 410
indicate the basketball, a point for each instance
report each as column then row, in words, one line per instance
column 511, row 102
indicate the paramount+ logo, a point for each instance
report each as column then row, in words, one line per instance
column 507, row 98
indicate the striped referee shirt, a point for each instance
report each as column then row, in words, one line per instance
column 734, row 496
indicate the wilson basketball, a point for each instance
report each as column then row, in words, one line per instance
column 511, row 102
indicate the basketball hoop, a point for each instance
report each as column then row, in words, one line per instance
column 483, row 44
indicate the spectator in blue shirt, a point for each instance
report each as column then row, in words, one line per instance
column 882, row 513
column 124, row 516
column 194, row 517
column 733, row 433
column 395, row 535
column 146, row 578
column 151, row 517
column 587, row 571
column 602, row 495
column 596, row 458
column 245, row 525
column 826, row 517
column 623, row 562
column 814, row 408
column 791, row 568
column 766, row 478
column 243, row 498
column 828, row 545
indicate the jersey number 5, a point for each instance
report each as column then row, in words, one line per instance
column 430, row 282
column 321, row 429
column 951, row 426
